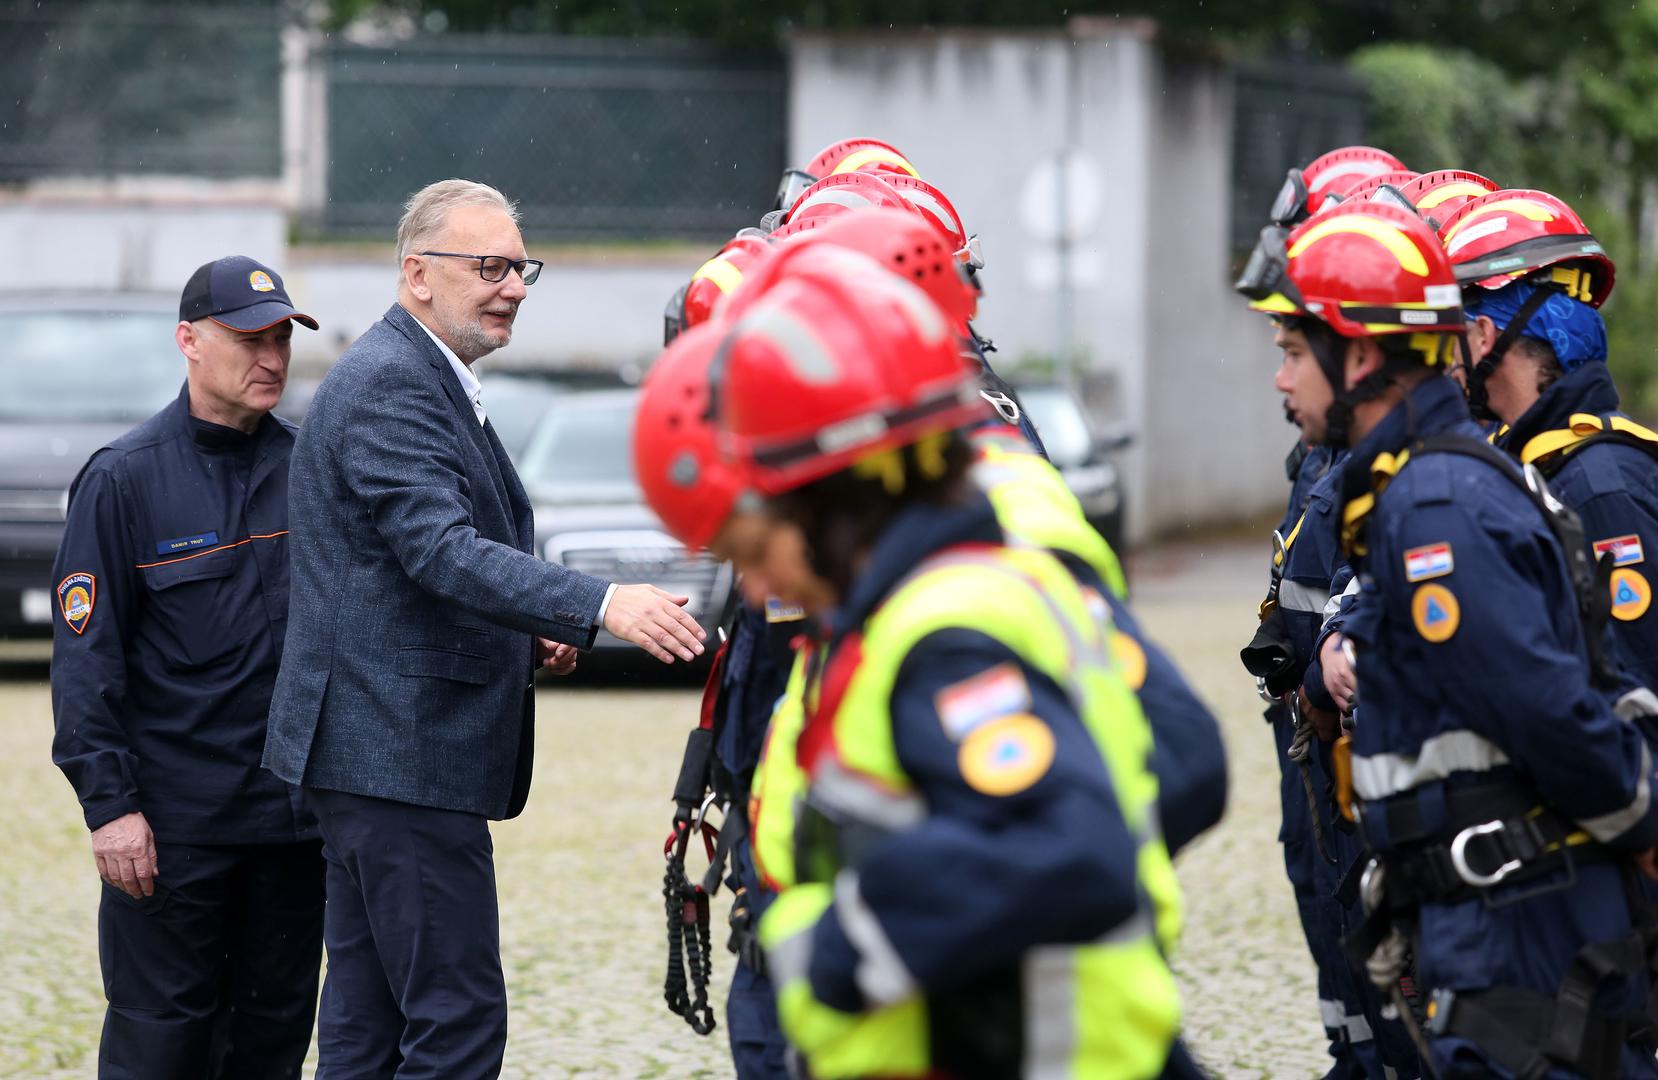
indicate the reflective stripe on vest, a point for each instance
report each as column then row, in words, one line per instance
column 779, row 783
column 1036, row 508
column 1114, row 1006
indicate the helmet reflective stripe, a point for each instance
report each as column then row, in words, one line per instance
column 1362, row 168
column 852, row 200
column 1526, row 208
column 794, row 341
column 933, row 209
column 1385, row 233
column 923, row 313
column 874, row 155
column 720, row 271
column 1450, row 191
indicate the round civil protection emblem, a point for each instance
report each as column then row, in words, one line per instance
column 261, row 282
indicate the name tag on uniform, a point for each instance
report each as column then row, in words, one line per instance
column 777, row 611
column 186, row 543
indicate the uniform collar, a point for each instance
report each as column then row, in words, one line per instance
column 915, row 534
column 212, row 437
column 1589, row 389
column 1432, row 407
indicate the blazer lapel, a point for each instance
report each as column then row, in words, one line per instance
column 518, row 500
column 410, row 328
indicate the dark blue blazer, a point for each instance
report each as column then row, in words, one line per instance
column 408, row 669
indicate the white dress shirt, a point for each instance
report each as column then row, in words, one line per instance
column 474, row 391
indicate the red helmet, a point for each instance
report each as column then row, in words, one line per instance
column 859, row 155
column 832, row 359
column 1305, row 190
column 936, row 207
column 720, row 276
column 1364, row 268
column 842, row 192
column 906, row 245
column 1370, row 185
column 1513, row 233
column 676, row 453
column 1438, row 195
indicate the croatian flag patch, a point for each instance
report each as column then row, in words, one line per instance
column 991, row 694
column 1626, row 550
column 1431, row 561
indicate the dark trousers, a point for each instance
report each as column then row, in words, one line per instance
column 414, row 986
column 216, row 974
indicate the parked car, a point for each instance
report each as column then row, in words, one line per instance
column 78, row 371
column 516, row 402
column 591, row 516
column 1082, row 454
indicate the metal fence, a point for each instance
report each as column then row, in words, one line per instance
column 1282, row 118
column 592, row 137
column 121, row 89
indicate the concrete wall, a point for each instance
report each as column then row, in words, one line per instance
column 1162, row 344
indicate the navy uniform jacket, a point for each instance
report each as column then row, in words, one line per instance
column 1316, row 575
column 172, row 590
column 1614, row 489
column 933, row 887
column 407, row 673
column 1473, row 668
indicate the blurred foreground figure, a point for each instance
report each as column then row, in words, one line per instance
column 172, row 588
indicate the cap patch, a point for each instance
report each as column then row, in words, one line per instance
column 261, row 282
column 76, row 595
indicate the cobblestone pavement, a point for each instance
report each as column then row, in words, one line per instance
column 580, row 876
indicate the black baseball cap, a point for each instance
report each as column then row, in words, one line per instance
column 238, row 292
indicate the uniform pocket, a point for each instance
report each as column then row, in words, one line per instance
column 424, row 661
column 187, row 598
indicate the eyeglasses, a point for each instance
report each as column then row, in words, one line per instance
column 495, row 267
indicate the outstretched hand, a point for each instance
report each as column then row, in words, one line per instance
column 654, row 620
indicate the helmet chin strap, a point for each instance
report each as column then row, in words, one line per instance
column 1476, row 374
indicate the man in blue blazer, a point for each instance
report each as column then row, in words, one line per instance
column 418, row 616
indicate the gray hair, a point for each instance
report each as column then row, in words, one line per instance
column 427, row 210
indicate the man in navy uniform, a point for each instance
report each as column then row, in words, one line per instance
column 172, row 598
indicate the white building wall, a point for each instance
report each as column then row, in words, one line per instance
column 1163, row 345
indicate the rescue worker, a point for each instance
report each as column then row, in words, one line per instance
column 172, row 590
column 965, row 727
column 1539, row 351
column 1284, row 662
column 1501, row 794
column 693, row 302
column 1311, row 577
column 694, row 492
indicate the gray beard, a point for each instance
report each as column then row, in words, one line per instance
column 469, row 340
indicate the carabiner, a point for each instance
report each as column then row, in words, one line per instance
column 1459, row 856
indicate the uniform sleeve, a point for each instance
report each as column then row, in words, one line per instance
column 1023, row 843
column 1500, row 637
column 408, row 473
column 1188, row 756
column 95, row 578
column 1312, row 680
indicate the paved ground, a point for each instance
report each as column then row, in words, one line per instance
column 580, row 875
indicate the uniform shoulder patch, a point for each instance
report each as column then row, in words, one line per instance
column 1131, row 659
column 1434, row 610
column 777, row 611
column 1631, row 594
column 1625, row 550
column 76, row 595
column 1007, row 755
column 968, row 704
column 1428, row 561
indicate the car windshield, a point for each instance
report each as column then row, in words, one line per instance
column 582, row 452
column 1060, row 422
column 87, row 365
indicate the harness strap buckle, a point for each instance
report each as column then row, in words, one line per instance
column 1459, row 855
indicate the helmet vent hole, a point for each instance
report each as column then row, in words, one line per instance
column 898, row 258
